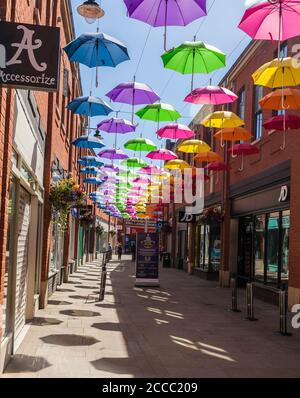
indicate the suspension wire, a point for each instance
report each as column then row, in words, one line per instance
column 204, row 19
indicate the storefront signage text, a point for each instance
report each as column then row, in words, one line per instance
column 284, row 194
column 29, row 56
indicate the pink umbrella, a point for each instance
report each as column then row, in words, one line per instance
column 272, row 20
column 211, row 95
column 162, row 154
column 176, row 131
column 142, row 180
column 151, row 170
column 244, row 150
column 217, row 166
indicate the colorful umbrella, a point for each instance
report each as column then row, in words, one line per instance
column 140, row 145
column 217, row 166
column 244, row 150
column 194, row 57
column 89, row 106
column 177, row 165
column 117, row 126
column 233, row 134
column 162, row 154
column 272, row 20
column 166, row 12
column 194, row 146
column 113, row 154
column 176, row 131
column 133, row 163
column 159, row 113
column 88, row 142
column 97, row 49
column 90, row 161
column 150, row 170
column 133, row 94
column 208, row 157
column 94, row 181
column 90, row 170
column 287, row 98
column 222, row 119
column 277, row 73
column 283, row 123
column 211, row 95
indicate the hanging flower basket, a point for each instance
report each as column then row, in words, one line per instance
column 63, row 196
column 99, row 230
column 212, row 216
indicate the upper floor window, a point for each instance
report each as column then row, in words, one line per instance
column 258, row 115
column 241, row 103
column 283, row 51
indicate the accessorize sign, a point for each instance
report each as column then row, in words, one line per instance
column 29, row 56
column 147, row 259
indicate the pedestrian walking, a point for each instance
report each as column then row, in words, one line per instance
column 120, row 251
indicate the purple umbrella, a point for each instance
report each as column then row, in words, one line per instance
column 166, row 12
column 110, row 168
column 116, row 126
column 133, row 94
column 113, row 154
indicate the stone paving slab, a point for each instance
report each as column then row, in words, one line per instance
column 182, row 329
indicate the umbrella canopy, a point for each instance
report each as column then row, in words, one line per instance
column 244, row 149
column 116, row 126
column 194, row 57
column 88, row 142
column 95, row 181
column 208, row 157
column 166, row 13
column 89, row 106
column 277, row 73
column 272, row 20
column 140, row 145
column 292, row 122
column 90, row 161
column 133, row 94
column 177, row 165
column 194, row 146
column 287, row 98
column 222, row 119
column 217, row 166
column 97, row 49
column 113, row 154
column 90, row 170
column 109, row 168
column 233, row 134
column 150, row 170
column 162, row 154
column 211, row 95
column 134, row 163
column 176, row 131
column 159, row 113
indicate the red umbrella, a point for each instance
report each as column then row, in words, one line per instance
column 244, row 150
column 292, row 122
column 217, row 166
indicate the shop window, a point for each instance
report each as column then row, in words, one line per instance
column 285, row 246
column 56, row 252
column 272, row 247
column 208, row 249
column 259, row 247
column 215, row 247
column 258, row 115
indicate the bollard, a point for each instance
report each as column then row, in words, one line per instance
column 250, row 306
column 283, row 311
column 234, row 300
column 103, row 276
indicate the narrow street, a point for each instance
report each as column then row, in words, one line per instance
column 183, row 329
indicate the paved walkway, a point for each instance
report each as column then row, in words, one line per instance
column 182, row 329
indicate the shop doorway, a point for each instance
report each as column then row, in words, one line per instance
column 245, row 252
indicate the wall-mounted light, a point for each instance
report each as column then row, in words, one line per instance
column 91, row 11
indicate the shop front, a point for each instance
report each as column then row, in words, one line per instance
column 263, row 229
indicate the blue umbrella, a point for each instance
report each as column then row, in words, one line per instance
column 88, row 142
column 89, row 106
column 90, row 170
column 95, row 181
column 90, row 161
column 97, row 49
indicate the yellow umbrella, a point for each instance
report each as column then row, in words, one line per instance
column 277, row 73
column 177, row 165
column 194, row 146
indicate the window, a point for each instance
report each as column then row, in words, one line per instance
column 283, row 51
column 285, row 246
column 259, row 247
column 272, row 247
column 208, row 250
column 258, row 116
column 241, row 103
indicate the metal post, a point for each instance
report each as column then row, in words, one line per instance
column 283, row 311
column 250, row 306
column 103, row 278
column 234, row 300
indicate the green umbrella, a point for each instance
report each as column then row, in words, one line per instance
column 140, row 145
column 159, row 113
column 194, row 57
column 134, row 163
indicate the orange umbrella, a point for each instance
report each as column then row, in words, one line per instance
column 287, row 98
column 208, row 157
column 234, row 134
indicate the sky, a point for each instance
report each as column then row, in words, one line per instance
column 218, row 28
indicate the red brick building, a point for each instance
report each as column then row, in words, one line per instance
column 258, row 239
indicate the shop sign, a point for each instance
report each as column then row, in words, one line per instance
column 186, row 218
column 147, row 266
column 284, row 194
column 29, row 56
